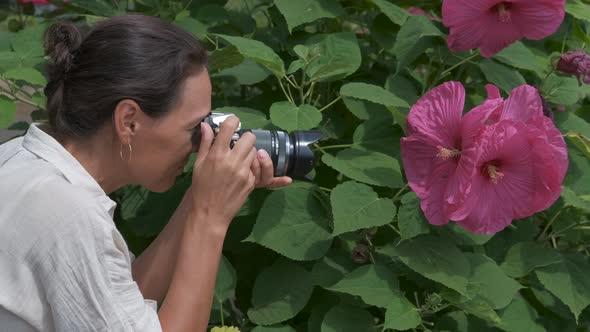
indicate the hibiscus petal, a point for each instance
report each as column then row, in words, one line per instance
column 537, row 19
column 493, row 91
column 458, row 12
column 523, row 104
column 433, row 204
column 418, row 158
column 437, row 115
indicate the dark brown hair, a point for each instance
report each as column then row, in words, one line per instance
column 126, row 57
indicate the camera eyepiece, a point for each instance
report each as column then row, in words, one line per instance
column 290, row 153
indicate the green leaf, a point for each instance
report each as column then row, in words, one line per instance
column 379, row 135
column 279, row 293
column 580, row 141
column 97, row 7
column 578, row 9
column 569, row 122
column 434, row 259
column 293, row 222
column 490, row 283
column 410, row 218
column 375, row 284
column 347, row 318
column 476, row 306
column 273, row 328
column 520, row 316
column 29, row 42
column 9, row 60
column 246, row 73
column 561, row 90
column 289, row 117
column 524, row 257
column 568, row 281
column 330, row 57
column 356, row 206
column 416, row 35
column 395, row 13
column 249, row 118
column 368, row 167
column 519, row 56
column 571, row 199
column 300, row 12
column 504, row 77
column 372, row 93
column 7, row 111
column 462, row 237
column 401, row 314
column 366, row 110
column 191, row 25
column 226, row 280
column 257, row 51
column 332, row 268
column 578, row 173
column 226, row 57
column 30, row 75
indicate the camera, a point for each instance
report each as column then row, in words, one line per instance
column 289, row 152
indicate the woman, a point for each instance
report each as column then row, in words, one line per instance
column 124, row 103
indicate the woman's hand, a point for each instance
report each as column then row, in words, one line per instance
column 222, row 176
column 263, row 170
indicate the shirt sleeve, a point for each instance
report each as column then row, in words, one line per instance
column 88, row 280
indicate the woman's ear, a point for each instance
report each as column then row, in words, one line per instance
column 126, row 120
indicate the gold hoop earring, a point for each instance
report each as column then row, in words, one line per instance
column 121, row 152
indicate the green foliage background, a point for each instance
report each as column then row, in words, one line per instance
column 351, row 250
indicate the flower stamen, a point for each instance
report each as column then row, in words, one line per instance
column 503, row 12
column 446, row 154
column 494, row 174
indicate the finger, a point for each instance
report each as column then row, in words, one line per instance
column 279, row 182
column 205, row 146
column 244, row 144
column 267, row 169
column 226, row 131
column 255, row 168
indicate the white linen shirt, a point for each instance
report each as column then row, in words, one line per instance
column 64, row 266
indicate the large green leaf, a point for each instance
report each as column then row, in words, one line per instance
column 571, row 199
column 257, row 51
column 395, row 13
column 379, row 135
column 279, row 293
column 568, row 281
column 569, row 122
column 375, row 284
column 415, row 36
column 356, row 206
column 401, row 314
column 246, row 73
column 7, row 111
column 519, row 316
column 273, row 328
column 347, row 318
column 305, row 11
column 29, row 42
column 294, row 223
column 330, row 57
column 368, row 167
column 524, row 257
column 372, row 93
column 410, row 219
column 436, row 260
column 561, row 90
column 226, row 280
column 287, row 116
column 504, row 77
column 223, row 58
column 97, row 7
column 29, row 75
column 578, row 9
column 191, row 25
column 520, row 56
column 490, row 283
column 9, row 60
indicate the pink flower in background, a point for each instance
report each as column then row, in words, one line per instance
column 438, row 136
column 419, row 11
column 575, row 63
column 501, row 161
column 492, row 25
column 37, row 2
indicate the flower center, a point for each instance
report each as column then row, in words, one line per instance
column 446, row 154
column 503, row 11
column 492, row 171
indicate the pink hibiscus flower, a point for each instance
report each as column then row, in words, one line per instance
column 521, row 161
column 36, row 2
column 492, row 25
column 434, row 153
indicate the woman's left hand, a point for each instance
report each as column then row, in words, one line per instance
column 264, row 172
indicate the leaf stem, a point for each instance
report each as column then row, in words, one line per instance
column 331, row 103
column 399, row 192
column 339, row 146
column 541, row 237
column 446, row 71
column 285, row 92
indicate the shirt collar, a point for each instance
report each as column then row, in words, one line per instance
column 46, row 147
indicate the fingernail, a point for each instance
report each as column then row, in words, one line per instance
column 262, row 154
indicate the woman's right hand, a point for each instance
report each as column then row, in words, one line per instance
column 222, row 176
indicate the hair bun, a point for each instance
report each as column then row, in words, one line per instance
column 62, row 41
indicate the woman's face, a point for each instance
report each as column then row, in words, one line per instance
column 163, row 146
